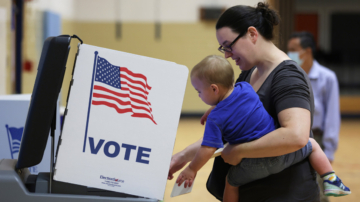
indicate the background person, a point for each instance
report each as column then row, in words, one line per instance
column 245, row 35
column 326, row 124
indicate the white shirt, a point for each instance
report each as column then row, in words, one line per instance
column 327, row 111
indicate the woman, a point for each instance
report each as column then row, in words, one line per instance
column 244, row 34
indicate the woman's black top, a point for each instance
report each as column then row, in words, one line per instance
column 287, row 86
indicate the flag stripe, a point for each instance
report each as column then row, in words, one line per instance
column 123, row 76
column 125, row 110
column 97, row 95
column 110, row 91
column 140, row 95
column 143, row 108
column 135, row 75
column 120, row 111
column 135, row 108
column 143, row 116
column 121, row 102
column 133, row 87
column 138, row 101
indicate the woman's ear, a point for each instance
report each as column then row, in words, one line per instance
column 253, row 34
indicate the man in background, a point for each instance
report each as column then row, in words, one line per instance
column 326, row 122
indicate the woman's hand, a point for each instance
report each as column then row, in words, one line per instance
column 204, row 117
column 231, row 155
column 177, row 162
column 187, row 175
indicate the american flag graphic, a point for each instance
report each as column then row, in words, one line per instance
column 121, row 89
column 14, row 136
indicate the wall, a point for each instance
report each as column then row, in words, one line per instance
column 183, row 43
column 324, row 8
column 3, row 37
column 6, row 4
column 33, row 33
column 183, row 11
column 184, row 38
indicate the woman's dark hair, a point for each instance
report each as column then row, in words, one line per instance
column 240, row 18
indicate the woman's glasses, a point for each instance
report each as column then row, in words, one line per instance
column 228, row 48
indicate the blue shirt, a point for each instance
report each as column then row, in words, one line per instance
column 239, row 118
column 327, row 113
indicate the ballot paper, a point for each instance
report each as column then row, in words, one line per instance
column 179, row 190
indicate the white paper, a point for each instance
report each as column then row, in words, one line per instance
column 179, row 190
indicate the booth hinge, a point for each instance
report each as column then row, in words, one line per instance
column 78, row 52
column 75, row 36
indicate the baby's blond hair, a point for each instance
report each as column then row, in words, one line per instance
column 214, row 69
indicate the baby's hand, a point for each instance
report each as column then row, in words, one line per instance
column 186, row 175
column 204, row 117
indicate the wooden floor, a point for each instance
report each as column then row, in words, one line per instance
column 346, row 163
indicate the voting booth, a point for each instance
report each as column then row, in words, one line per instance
column 118, row 131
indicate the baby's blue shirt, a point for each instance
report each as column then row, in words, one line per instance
column 240, row 118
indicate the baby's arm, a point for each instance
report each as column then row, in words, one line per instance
column 189, row 173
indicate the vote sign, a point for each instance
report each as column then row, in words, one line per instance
column 122, row 116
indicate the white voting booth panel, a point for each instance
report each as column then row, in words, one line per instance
column 13, row 113
column 121, row 121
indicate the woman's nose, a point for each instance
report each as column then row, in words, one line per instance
column 228, row 54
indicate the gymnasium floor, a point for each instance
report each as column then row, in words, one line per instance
column 346, row 163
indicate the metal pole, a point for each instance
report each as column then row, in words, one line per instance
column 53, row 127
column 18, row 43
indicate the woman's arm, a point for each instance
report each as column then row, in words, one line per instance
column 180, row 159
column 291, row 136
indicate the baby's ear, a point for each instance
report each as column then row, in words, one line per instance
column 215, row 88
